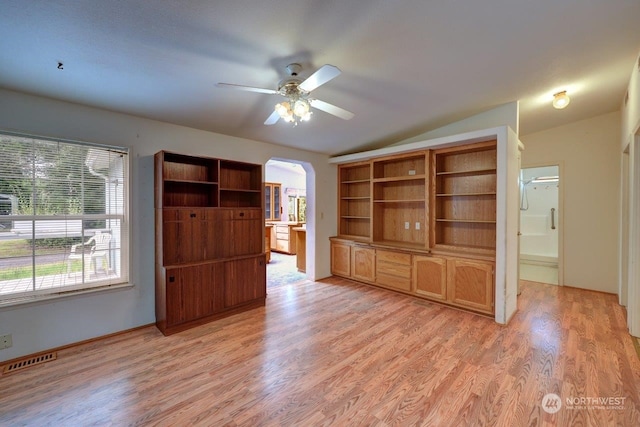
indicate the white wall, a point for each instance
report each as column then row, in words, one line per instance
column 45, row 325
column 502, row 115
column 630, row 172
column 631, row 110
column 589, row 153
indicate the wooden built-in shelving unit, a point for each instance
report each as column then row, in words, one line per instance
column 354, row 193
column 400, row 189
column 465, row 198
column 423, row 223
column 210, row 259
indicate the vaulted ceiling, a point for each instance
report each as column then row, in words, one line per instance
column 407, row 66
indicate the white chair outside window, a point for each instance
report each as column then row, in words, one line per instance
column 96, row 258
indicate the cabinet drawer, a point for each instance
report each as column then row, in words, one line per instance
column 393, row 281
column 282, row 245
column 246, row 214
column 282, row 229
column 391, row 269
column 284, row 236
column 181, row 214
column 394, row 257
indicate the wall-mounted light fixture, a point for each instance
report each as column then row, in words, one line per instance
column 561, row 100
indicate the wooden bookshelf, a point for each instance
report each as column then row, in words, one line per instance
column 355, row 200
column 210, row 259
column 400, row 189
column 464, row 197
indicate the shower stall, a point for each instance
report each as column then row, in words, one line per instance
column 539, row 224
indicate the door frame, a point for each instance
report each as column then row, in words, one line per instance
column 633, row 282
column 560, row 165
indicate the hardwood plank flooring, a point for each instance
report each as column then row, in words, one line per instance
column 336, row 352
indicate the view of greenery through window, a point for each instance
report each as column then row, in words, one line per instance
column 52, row 197
column 49, row 179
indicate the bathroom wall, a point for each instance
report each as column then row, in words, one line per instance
column 537, row 199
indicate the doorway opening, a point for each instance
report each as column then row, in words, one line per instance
column 540, row 224
column 285, row 222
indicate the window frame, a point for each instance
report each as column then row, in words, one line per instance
column 125, row 260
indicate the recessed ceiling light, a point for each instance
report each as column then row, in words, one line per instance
column 561, row 100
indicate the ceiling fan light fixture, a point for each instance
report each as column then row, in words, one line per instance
column 295, row 110
column 283, row 109
column 297, row 107
column 561, row 100
column 301, row 107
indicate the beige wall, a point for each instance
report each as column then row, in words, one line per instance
column 631, row 109
column 588, row 152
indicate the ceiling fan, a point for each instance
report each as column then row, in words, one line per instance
column 298, row 105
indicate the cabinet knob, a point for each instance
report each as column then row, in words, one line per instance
column 241, row 213
column 172, row 279
column 192, row 215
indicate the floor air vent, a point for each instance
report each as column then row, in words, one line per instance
column 31, row 361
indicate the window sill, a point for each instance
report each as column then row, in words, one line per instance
column 35, row 299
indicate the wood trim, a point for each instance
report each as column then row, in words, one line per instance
column 479, row 146
column 170, row 330
column 416, row 153
column 75, row 344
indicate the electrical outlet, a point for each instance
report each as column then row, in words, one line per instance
column 417, row 226
column 406, row 225
column 5, row 341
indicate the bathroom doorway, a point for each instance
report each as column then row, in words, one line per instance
column 540, row 225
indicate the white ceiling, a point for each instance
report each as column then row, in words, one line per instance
column 407, row 66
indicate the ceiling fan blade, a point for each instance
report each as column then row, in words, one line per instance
column 331, row 109
column 324, row 74
column 272, row 119
column 247, row 88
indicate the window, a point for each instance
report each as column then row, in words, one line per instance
column 63, row 217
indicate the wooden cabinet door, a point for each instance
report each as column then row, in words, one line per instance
column 277, row 203
column 245, row 281
column 241, row 232
column 247, row 233
column 340, row 259
column 470, row 283
column 182, row 236
column 430, row 277
column 363, row 264
column 213, row 239
column 194, row 292
column 272, row 201
column 173, row 301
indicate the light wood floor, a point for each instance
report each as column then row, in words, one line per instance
column 340, row 353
